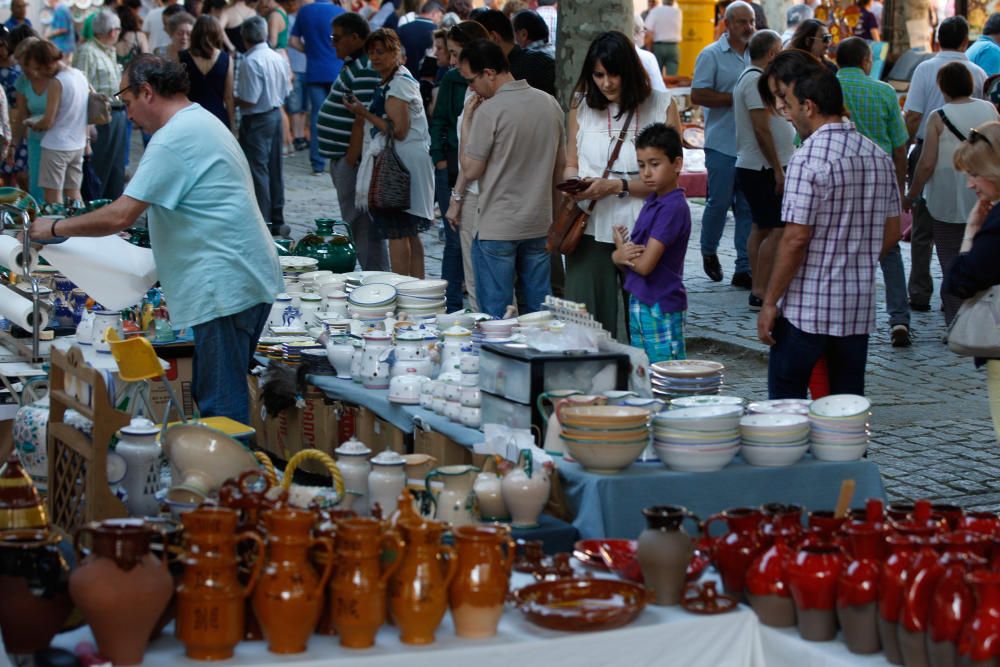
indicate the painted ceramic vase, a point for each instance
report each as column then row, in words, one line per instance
column 733, row 552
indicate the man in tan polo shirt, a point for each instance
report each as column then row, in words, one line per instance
column 515, row 149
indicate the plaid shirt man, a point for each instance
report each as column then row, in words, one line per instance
column 844, row 187
column 874, row 108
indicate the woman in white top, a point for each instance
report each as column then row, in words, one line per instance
column 397, row 100
column 64, row 122
column 613, row 84
column 943, row 187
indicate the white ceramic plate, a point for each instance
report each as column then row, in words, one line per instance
column 687, row 368
column 369, row 296
column 700, row 401
column 291, row 261
column 840, row 405
column 423, row 287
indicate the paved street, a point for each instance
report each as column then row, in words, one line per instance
column 932, row 436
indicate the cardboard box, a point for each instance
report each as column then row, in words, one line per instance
column 312, row 426
column 444, row 449
column 180, row 376
column 377, row 433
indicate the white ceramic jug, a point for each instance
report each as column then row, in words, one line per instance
column 375, row 360
column 138, row 445
column 340, row 354
column 386, row 481
column 352, row 459
column 104, row 320
column 456, row 503
column 488, row 488
column 552, row 443
column 526, row 491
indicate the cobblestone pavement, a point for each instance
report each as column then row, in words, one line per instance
column 931, row 432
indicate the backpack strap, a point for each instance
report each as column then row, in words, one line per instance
column 950, row 125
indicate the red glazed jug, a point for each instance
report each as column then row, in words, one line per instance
column 733, row 552
column 857, row 588
column 891, row 583
column 923, row 574
column 951, row 606
column 780, row 517
column 980, row 641
column 812, row 578
column 767, row 582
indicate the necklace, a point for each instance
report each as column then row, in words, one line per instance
column 635, row 123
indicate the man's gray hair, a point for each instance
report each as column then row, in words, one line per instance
column 105, row 22
column 254, row 30
column 731, row 9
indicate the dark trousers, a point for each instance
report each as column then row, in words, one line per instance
column 948, row 243
column 451, row 260
column 795, row 352
column 260, row 137
column 108, row 155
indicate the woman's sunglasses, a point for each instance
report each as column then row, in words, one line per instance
column 975, row 136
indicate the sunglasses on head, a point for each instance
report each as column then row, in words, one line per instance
column 975, row 136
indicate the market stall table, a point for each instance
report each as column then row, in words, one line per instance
column 611, row 505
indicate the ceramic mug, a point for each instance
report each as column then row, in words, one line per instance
column 469, row 363
column 453, row 410
column 471, row 416
column 438, row 405
column 452, row 392
column 469, row 380
column 471, row 397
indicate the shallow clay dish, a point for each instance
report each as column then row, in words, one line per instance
column 581, row 604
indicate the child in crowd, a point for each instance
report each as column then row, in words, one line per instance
column 653, row 257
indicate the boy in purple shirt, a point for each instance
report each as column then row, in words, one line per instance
column 653, row 257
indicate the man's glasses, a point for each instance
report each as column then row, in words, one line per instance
column 827, row 38
column 975, row 136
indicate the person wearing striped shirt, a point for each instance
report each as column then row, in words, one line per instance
column 340, row 138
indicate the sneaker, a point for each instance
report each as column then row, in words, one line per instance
column 300, row 144
column 920, row 307
column 901, row 336
column 712, row 267
column 755, row 302
column 319, row 172
column 742, row 279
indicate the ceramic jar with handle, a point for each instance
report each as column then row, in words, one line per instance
column 922, row 576
column 121, row 588
column 952, row 605
column 289, row 597
column 980, row 641
column 455, row 503
column 357, row 591
column 386, row 480
column 34, row 600
column 479, row 588
column 767, row 581
column 352, row 459
column 375, row 360
column 418, row 591
column 812, row 579
column 104, row 320
column 210, row 600
column 138, row 445
column 488, row 488
column 664, row 551
column 526, row 491
column 733, row 552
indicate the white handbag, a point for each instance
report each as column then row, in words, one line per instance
column 975, row 332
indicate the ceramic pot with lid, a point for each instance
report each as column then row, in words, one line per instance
column 386, row 480
column 352, row 459
column 138, row 444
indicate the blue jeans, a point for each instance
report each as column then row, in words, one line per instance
column 795, row 352
column 451, row 261
column 223, row 351
column 723, row 195
column 316, row 92
column 897, row 301
column 497, row 262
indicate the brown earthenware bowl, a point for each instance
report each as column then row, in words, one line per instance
column 581, row 604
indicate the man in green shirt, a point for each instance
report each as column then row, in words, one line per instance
column 876, row 114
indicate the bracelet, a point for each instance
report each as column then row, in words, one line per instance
column 457, row 197
column 52, row 230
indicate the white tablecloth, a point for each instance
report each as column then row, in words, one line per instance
column 784, row 648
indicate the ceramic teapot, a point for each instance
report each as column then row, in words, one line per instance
column 526, row 491
column 335, row 251
column 455, row 503
column 340, row 354
column 375, row 360
column 552, row 442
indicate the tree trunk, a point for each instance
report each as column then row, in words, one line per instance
column 899, row 12
column 580, row 21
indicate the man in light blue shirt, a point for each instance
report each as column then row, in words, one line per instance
column 263, row 84
column 716, row 72
column 985, row 52
column 215, row 260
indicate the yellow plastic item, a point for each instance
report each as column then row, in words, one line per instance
column 322, row 457
column 268, row 466
column 698, row 32
column 230, row 427
column 136, row 358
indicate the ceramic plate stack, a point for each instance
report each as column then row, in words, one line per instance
column 702, row 439
column 393, row 279
column 839, row 427
column 422, row 298
column 689, row 377
column 292, row 265
column 780, row 406
column 372, row 301
column 604, row 438
column 702, row 401
column 316, row 362
column 291, row 352
column 774, row 439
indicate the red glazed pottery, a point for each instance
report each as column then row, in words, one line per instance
column 664, row 552
column 34, row 601
column 824, row 528
column 767, row 584
column 951, row 606
column 980, row 641
column 891, row 584
column 733, row 552
column 921, row 521
column 952, row 514
column 857, row 589
column 899, row 510
column 923, row 574
column 781, row 517
column 581, row 605
column 812, row 578
column 981, row 522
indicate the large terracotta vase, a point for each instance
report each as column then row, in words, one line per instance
column 664, row 552
column 891, row 583
column 923, row 575
column 733, row 552
column 210, row 599
column 418, row 590
column 812, row 578
column 857, row 588
column 767, row 582
column 478, row 590
column 979, row 645
column 289, row 596
column 952, row 603
column 357, row 590
column 34, row 596
column 121, row 588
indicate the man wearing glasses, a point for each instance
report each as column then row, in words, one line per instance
column 214, row 255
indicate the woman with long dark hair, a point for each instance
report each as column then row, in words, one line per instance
column 813, row 37
column 210, row 70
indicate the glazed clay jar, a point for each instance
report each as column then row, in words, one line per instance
column 857, row 589
column 781, row 517
column 812, row 578
column 767, row 581
column 891, row 583
column 951, row 606
column 121, row 588
column 733, row 552
column 664, row 552
column 478, row 590
column 980, row 642
column 418, row 591
column 386, row 480
column 923, row 574
column 34, row 601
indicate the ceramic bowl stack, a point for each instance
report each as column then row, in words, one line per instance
column 839, row 427
column 702, row 439
column 774, row 439
column 371, row 302
column 688, row 377
column 372, row 277
column 294, row 266
column 780, row 406
column 315, row 362
column 422, row 298
column 496, row 331
column 604, row 438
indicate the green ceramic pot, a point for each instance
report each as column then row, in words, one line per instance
column 334, row 250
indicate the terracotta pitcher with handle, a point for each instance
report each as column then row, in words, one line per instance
column 418, row 591
column 552, row 443
column 479, row 589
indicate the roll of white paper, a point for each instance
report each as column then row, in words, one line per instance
column 18, row 309
column 12, row 254
column 108, row 268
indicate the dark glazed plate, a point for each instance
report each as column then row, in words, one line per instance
column 581, row 605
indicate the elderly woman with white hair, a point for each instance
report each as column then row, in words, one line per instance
column 97, row 59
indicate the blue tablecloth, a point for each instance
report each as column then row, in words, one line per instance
column 611, row 505
column 462, row 435
column 556, row 536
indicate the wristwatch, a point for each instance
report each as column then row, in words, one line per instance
column 456, row 196
column 624, row 192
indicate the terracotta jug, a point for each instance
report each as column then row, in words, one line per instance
column 479, row 588
column 767, row 581
column 733, row 552
column 891, row 583
column 357, row 590
column 857, row 589
column 952, row 604
column 923, row 575
column 664, row 552
column 418, row 590
column 210, row 599
column 20, row 504
column 121, row 588
column 34, row 600
column 980, row 641
column 289, row 596
column 812, row 578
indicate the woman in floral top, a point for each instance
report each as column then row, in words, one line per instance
column 15, row 173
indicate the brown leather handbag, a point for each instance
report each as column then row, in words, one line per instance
column 571, row 220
